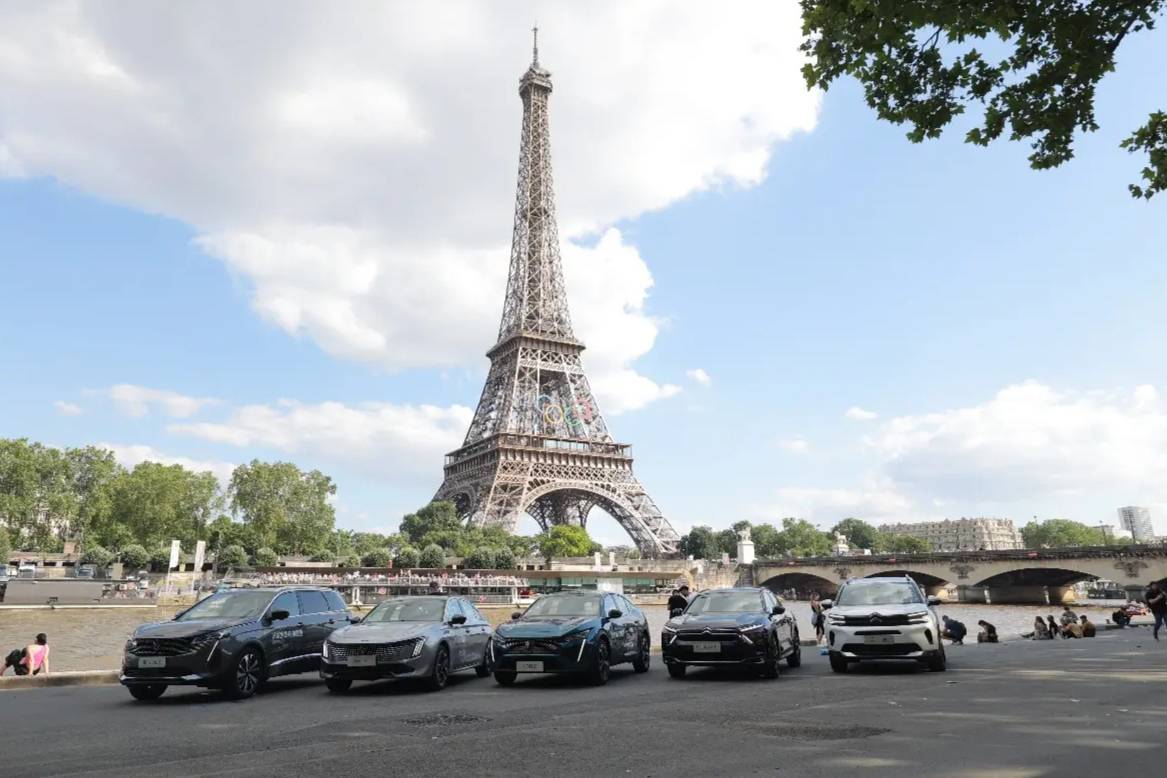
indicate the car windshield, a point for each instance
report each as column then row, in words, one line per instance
column 564, row 605
column 725, row 602
column 879, row 594
column 228, row 605
column 408, row 609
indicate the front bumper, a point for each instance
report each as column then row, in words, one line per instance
column 695, row 649
column 394, row 664
column 917, row 642
column 553, row 655
column 204, row 666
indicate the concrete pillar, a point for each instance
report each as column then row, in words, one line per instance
column 598, row 564
column 745, row 551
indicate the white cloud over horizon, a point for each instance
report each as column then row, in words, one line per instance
column 67, row 408
column 139, row 401
column 698, row 375
column 855, row 413
column 131, row 455
column 355, row 166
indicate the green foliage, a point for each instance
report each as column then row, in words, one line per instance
column 160, row 558
column 565, row 540
column 859, row 533
column 233, row 555
column 727, row 542
column 767, row 540
column 700, row 543
column 893, row 543
column 504, row 558
column 352, row 560
column 801, row 538
column 97, row 555
column 919, row 64
column 407, row 557
column 322, row 556
column 286, row 507
column 1059, row 533
column 438, row 516
column 377, row 558
column 134, row 557
column 481, row 558
column 5, row 548
column 432, row 556
column 266, row 557
column 157, row 503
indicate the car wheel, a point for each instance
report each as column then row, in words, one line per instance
column 338, row 685
column 441, row 672
column 246, row 675
column 676, row 671
column 484, row 669
column 504, row 678
column 795, row 658
column 151, row 692
column 773, row 665
column 838, row 663
column 643, row 656
column 601, row 663
column 939, row 662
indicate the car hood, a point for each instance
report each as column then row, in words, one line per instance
column 382, row 632
column 882, row 610
column 186, row 629
column 544, row 628
column 717, row 620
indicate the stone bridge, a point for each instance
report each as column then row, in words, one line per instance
column 998, row 576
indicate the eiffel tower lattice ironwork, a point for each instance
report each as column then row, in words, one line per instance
column 538, row 443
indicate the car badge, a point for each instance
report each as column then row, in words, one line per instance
column 527, row 645
column 706, row 631
column 876, row 619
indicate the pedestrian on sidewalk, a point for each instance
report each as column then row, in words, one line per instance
column 817, row 617
column 679, row 599
column 1157, row 602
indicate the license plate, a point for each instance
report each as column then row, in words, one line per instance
column 151, row 662
column 881, row 640
column 362, row 661
column 706, row 648
column 529, row 667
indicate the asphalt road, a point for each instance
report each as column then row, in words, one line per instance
column 1067, row 708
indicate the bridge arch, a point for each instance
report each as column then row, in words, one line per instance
column 802, row 583
column 1037, row 576
column 925, row 580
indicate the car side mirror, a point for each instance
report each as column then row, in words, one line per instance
column 676, row 612
column 278, row 615
column 458, row 619
column 516, row 616
column 778, row 610
column 355, row 619
column 826, row 604
column 615, row 614
column 933, row 599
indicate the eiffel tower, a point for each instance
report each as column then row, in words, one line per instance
column 538, row 443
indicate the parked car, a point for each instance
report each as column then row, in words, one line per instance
column 233, row 640
column 738, row 627
column 883, row 618
column 584, row 632
column 426, row 637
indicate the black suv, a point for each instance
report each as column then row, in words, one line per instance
column 234, row 640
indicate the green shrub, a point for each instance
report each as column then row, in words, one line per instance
column 135, row 557
column 233, row 555
column 408, row 556
column 96, row 555
column 481, row 558
column 504, row 559
column 432, row 555
column 265, row 557
column 378, row 558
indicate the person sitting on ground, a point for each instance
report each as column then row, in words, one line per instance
column 36, row 656
column 1120, row 617
column 988, row 633
column 1054, row 629
column 954, row 631
column 1088, row 629
column 1040, row 630
column 679, row 599
column 1068, row 617
column 15, row 660
column 1072, row 630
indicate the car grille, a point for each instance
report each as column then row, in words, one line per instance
column 162, row 647
column 385, row 652
column 876, row 620
column 709, row 635
column 523, row 646
column 877, row 650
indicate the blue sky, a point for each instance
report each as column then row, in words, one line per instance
column 994, row 331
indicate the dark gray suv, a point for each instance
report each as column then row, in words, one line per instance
column 234, row 641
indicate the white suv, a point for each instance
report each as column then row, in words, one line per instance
column 883, row 618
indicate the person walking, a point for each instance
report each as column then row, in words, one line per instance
column 679, row 599
column 817, row 617
column 1157, row 602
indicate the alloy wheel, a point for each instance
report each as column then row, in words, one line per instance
column 247, row 674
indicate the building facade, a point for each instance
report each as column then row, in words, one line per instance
column 963, row 534
column 1138, row 521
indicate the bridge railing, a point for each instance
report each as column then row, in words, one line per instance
column 1073, row 552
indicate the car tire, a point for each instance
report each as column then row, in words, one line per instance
column 795, row 658
column 504, row 678
column 145, row 693
column 939, row 662
column 676, row 671
column 338, row 685
column 246, row 675
column 484, row 669
column 440, row 674
column 601, row 663
column 773, row 666
column 838, row 663
column 643, row 654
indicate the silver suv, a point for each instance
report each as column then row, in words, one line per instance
column 883, row 618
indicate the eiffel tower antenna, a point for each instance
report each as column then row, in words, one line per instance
column 538, row 443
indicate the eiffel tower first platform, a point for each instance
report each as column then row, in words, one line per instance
column 538, row 443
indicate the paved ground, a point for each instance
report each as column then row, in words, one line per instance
column 1068, row 708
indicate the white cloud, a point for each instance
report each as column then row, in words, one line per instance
column 396, row 442
column 67, row 409
column 872, row 500
column 355, row 166
column 699, row 376
column 859, row 414
column 131, row 455
column 138, row 401
column 795, row 445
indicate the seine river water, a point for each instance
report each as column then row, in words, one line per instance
column 93, row 639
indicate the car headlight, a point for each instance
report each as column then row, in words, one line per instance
column 918, row 618
column 418, row 645
column 836, row 619
column 579, row 634
column 131, row 643
column 198, row 641
column 326, row 653
column 669, row 630
column 753, row 628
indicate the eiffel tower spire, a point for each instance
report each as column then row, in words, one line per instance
column 538, row 443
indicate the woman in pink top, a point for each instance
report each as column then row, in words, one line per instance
column 36, row 656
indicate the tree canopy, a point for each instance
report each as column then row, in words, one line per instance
column 1032, row 65
column 859, row 533
column 1059, row 533
column 565, row 540
column 286, row 507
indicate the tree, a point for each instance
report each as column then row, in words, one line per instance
column 266, row 557
column 352, row 560
column 700, row 543
column 1059, row 533
column 5, row 548
column 727, row 542
column 407, row 557
column 378, row 558
column 287, row 507
column 432, row 556
column 895, row 543
column 481, row 558
column 160, row 558
column 158, row 503
column 564, row 540
column 767, row 540
column 233, row 555
column 918, row 65
column 801, row 538
column 36, row 496
column 504, row 558
column 859, row 533
column 438, row 516
column 134, row 556
column 93, row 472
column 97, row 555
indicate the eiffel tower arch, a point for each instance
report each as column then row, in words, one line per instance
column 538, row 443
